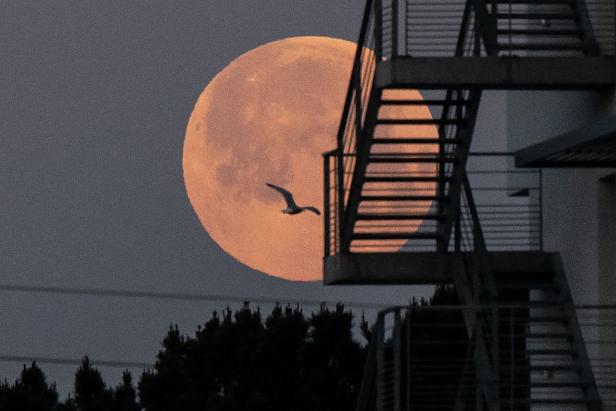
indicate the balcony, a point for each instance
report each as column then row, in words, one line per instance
column 508, row 202
column 422, row 358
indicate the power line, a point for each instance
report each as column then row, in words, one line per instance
column 98, row 292
column 74, row 361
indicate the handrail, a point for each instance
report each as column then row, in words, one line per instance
column 483, row 290
column 446, row 381
column 351, row 92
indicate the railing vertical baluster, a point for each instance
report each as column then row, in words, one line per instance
column 326, row 203
column 540, row 209
column 394, row 28
column 378, row 30
column 380, row 361
column 408, row 358
column 396, row 336
column 512, row 359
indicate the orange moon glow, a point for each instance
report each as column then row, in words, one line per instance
column 267, row 117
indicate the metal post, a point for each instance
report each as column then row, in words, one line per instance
column 540, row 209
column 394, row 28
column 408, row 359
column 326, row 217
column 397, row 361
column 380, row 360
column 378, row 30
column 512, row 360
column 458, row 232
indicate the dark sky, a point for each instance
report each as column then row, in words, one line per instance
column 94, row 100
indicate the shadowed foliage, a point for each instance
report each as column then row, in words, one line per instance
column 237, row 360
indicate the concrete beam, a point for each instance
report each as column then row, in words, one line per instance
column 421, row 268
column 595, row 133
column 507, row 73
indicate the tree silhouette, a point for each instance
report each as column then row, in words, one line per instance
column 29, row 393
column 91, row 393
column 237, row 360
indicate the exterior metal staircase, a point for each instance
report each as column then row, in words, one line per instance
column 402, row 182
column 541, row 27
column 398, row 201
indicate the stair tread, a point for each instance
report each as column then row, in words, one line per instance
column 551, row 401
column 408, row 159
column 540, row 32
column 537, row 335
column 536, row 16
column 399, row 179
column 548, row 335
column 522, row 286
column 536, row 2
column 396, row 236
column 550, row 351
column 403, row 198
column 418, row 121
column 548, row 319
column 558, row 384
column 424, row 102
column 399, row 216
column 549, row 367
column 542, row 46
column 392, row 140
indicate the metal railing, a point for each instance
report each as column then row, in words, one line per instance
column 540, row 28
column 508, row 202
column 425, row 358
column 432, row 28
column 369, row 48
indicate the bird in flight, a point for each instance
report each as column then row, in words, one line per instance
column 292, row 208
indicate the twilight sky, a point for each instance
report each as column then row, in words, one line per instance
column 94, row 101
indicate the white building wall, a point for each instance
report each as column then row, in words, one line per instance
column 572, row 210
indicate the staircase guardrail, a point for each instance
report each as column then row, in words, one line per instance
column 478, row 288
column 509, row 204
column 510, row 27
column 536, row 369
column 369, row 48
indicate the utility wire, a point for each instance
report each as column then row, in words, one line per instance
column 97, row 292
column 74, row 361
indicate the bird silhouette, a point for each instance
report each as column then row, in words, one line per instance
column 292, row 207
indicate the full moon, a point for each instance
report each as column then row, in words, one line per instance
column 267, row 117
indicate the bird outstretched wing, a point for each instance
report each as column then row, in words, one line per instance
column 288, row 197
column 313, row 209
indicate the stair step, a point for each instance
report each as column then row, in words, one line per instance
column 426, row 102
column 536, row 2
column 547, row 351
column 400, row 179
column 541, row 46
column 536, row 16
column 539, row 32
column 403, row 198
column 526, row 286
column 396, row 236
column 388, row 140
column 552, row 368
column 552, row 401
column 536, row 336
column 549, row 335
column 380, row 217
column 534, row 304
column 401, row 158
column 418, row 121
column 548, row 319
column 558, row 384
